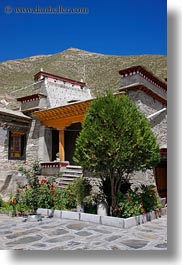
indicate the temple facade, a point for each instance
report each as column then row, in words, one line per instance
column 49, row 121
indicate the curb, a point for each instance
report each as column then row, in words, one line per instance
column 104, row 220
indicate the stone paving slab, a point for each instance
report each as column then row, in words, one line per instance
column 62, row 234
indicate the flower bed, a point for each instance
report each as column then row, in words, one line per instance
column 104, row 220
column 44, row 193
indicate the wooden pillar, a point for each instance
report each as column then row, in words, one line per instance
column 61, row 145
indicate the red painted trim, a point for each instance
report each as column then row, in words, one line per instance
column 33, row 96
column 54, row 164
column 143, row 71
column 64, row 79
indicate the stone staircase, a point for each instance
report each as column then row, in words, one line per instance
column 69, row 174
column 8, row 181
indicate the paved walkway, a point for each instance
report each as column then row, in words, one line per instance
column 62, row 234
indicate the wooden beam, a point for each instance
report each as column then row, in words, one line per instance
column 60, row 124
column 62, row 112
column 61, row 145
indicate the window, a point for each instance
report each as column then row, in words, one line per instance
column 17, row 143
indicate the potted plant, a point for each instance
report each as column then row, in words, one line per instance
column 58, row 157
column 20, row 171
column 96, row 203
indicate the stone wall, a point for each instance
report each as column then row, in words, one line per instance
column 8, row 168
column 33, row 142
column 60, row 93
column 146, row 103
column 3, row 148
column 39, row 144
column 148, row 106
column 31, row 148
column 29, row 104
column 45, row 144
column 159, row 127
column 11, row 165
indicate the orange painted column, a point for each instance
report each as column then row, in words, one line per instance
column 61, row 145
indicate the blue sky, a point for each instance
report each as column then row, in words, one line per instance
column 116, row 27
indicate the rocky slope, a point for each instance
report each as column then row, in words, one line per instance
column 99, row 71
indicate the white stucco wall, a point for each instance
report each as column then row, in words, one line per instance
column 59, row 93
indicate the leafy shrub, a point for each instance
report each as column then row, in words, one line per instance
column 76, row 192
column 89, row 208
column 45, row 199
column 129, row 204
column 23, row 200
column 49, row 197
column 137, row 201
column 149, row 198
column 59, row 199
column 6, row 206
column 81, row 189
column 1, row 202
column 37, row 194
column 69, row 196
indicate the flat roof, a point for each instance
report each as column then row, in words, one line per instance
column 140, row 69
column 58, row 77
column 14, row 113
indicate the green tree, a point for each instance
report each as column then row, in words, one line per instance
column 115, row 141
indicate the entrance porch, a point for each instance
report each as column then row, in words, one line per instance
column 66, row 122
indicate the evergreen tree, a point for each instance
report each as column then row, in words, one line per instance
column 115, row 141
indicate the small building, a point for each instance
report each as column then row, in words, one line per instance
column 50, row 120
column 150, row 95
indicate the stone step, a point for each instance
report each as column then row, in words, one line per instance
column 67, row 179
column 72, row 171
column 73, row 167
column 63, row 185
column 71, row 175
column 68, row 175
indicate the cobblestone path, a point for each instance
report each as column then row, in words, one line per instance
column 62, row 234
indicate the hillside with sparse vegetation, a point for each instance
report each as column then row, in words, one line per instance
column 99, row 71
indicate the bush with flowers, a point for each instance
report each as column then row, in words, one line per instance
column 50, row 196
column 37, row 193
column 43, row 193
column 129, row 204
column 141, row 200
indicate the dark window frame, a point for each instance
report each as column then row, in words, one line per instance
column 22, row 145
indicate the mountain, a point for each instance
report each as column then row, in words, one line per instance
column 99, row 71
